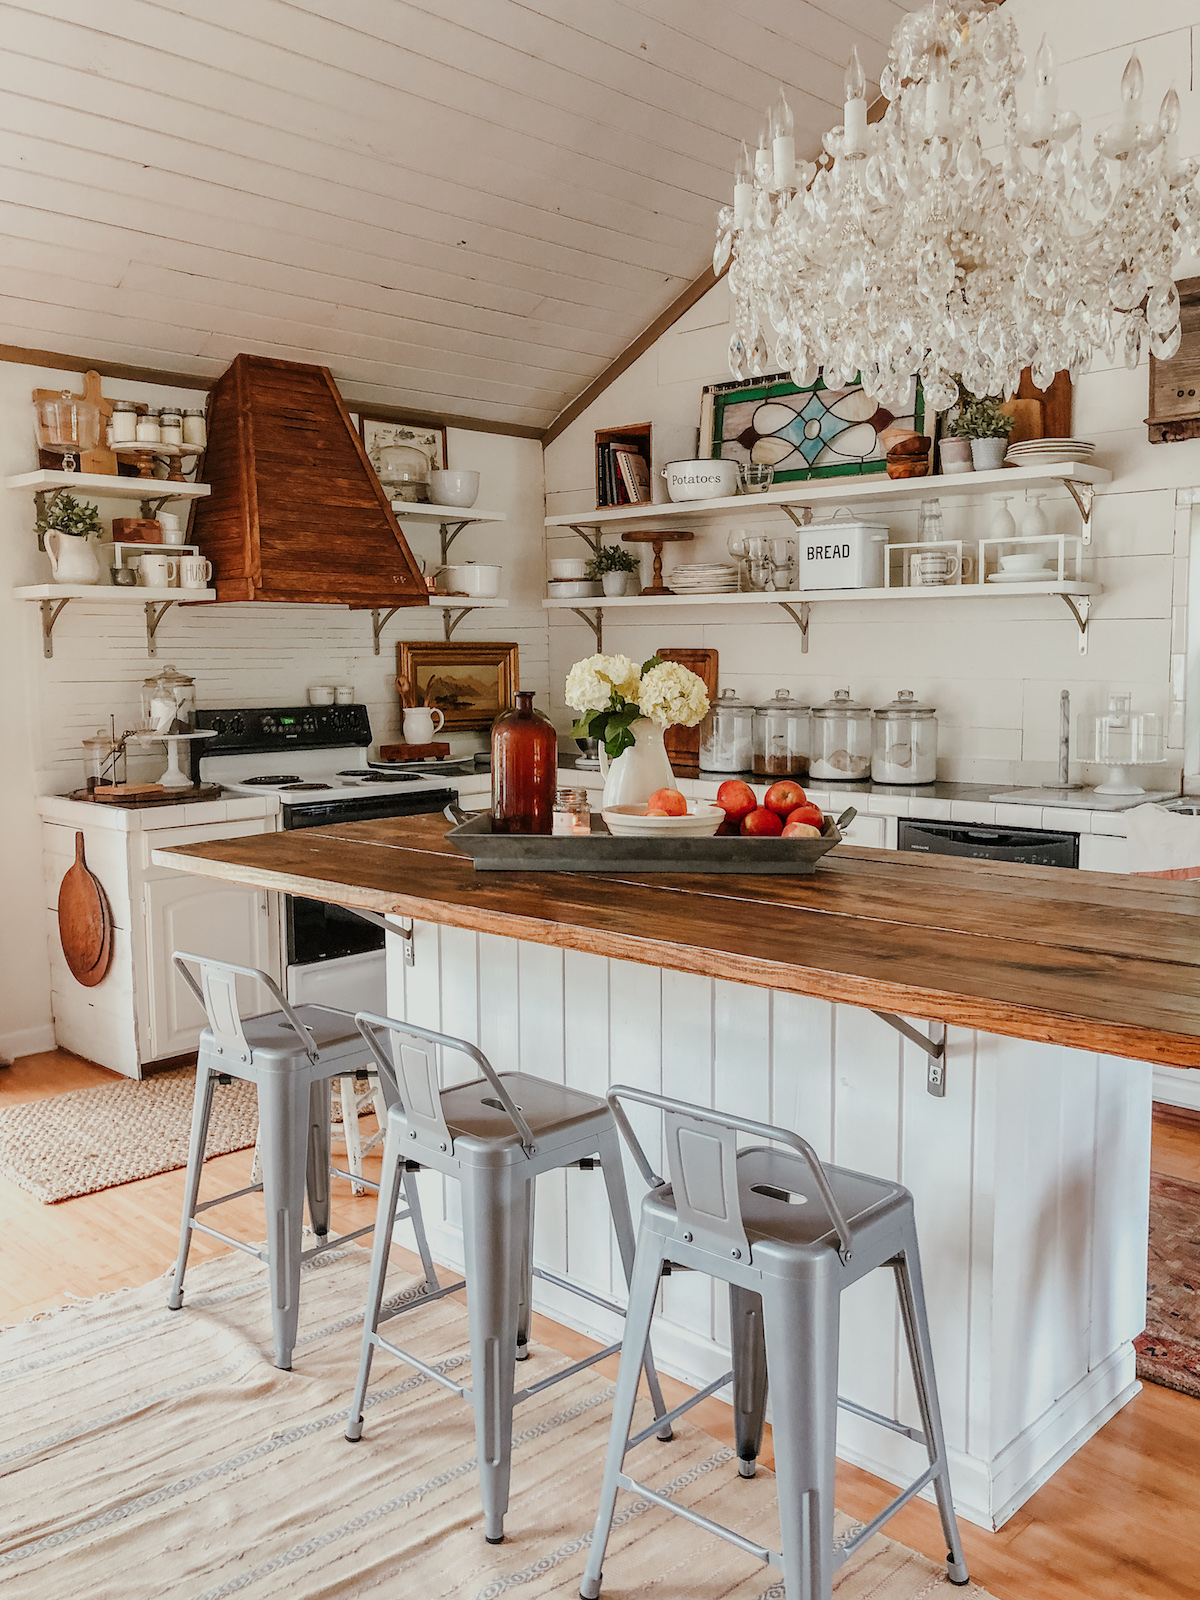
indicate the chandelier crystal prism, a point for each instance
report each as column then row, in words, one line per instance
column 954, row 237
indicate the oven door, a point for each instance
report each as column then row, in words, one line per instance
column 320, row 932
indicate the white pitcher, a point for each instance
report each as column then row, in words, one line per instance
column 419, row 726
column 72, row 559
column 633, row 777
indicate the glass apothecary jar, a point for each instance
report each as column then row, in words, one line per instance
column 1121, row 738
column 782, row 737
column 841, row 739
column 169, row 702
column 727, row 735
column 905, row 741
column 524, row 769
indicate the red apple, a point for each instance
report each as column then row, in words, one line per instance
column 784, row 797
column 762, row 823
column 808, row 813
column 736, row 799
column 801, row 830
column 667, row 803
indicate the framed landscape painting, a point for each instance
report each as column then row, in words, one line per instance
column 470, row 684
column 803, row 433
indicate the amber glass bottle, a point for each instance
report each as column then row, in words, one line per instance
column 524, row 769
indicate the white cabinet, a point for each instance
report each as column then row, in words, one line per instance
column 205, row 918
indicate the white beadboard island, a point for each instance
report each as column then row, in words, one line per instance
column 760, row 994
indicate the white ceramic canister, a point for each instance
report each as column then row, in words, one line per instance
column 843, row 553
column 700, row 479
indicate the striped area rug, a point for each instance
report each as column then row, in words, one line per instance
column 159, row 1456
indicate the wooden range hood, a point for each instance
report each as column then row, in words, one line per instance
column 296, row 512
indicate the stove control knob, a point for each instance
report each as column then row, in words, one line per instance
column 237, row 724
column 217, row 724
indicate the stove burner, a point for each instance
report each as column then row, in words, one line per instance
column 295, row 786
column 274, row 778
column 362, row 776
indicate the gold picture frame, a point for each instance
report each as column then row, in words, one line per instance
column 469, row 683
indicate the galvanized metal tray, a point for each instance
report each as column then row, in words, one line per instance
column 604, row 852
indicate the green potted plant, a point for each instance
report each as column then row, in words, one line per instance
column 984, row 427
column 612, row 564
column 65, row 531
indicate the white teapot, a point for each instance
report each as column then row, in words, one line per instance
column 72, row 559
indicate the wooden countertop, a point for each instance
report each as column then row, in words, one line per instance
column 1083, row 959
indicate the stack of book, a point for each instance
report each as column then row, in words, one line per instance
column 622, row 476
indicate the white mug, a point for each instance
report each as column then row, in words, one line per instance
column 194, row 572
column 419, row 726
column 934, row 567
column 158, row 572
column 343, row 695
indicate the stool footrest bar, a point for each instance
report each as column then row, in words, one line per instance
column 422, row 1300
column 567, row 1372
column 659, row 1422
column 891, row 1509
column 575, row 1288
column 225, row 1238
column 357, row 1177
column 884, row 1422
column 421, row 1366
column 234, row 1194
column 332, row 1244
column 709, row 1526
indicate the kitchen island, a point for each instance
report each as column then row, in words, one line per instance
column 762, row 995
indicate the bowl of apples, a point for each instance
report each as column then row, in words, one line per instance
column 666, row 815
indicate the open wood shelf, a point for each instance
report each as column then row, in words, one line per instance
column 107, row 487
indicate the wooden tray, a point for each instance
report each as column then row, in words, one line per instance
column 603, row 852
column 168, row 797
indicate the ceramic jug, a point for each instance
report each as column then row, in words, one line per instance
column 72, row 560
column 636, row 773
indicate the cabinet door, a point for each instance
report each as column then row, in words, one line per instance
column 224, row 920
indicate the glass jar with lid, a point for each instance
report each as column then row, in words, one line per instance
column 195, row 426
column 124, row 421
column 905, row 742
column 781, row 737
column 841, row 740
column 169, row 702
column 170, row 425
column 727, row 735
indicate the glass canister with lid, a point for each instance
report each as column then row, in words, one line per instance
column 905, row 742
column 841, row 739
column 169, row 702
column 781, row 737
column 727, row 735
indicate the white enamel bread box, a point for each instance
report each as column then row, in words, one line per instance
column 842, row 553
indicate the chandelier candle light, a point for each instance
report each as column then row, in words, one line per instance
column 906, row 250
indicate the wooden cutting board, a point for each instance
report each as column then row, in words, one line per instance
column 683, row 744
column 84, row 921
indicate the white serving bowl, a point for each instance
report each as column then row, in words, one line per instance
column 452, row 487
column 701, row 822
column 571, row 569
column 575, row 589
column 701, row 479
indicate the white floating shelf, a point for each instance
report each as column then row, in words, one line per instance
column 849, row 490
column 107, row 486
column 53, row 598
column 462, row 602
column 419, row 511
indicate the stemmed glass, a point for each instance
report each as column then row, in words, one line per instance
column 736, row 545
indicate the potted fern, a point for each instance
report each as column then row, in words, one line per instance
column 612, row 564
column 982, row 423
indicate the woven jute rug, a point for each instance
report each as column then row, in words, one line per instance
column 1169, row 1350
column 159, row 1454
column 90, row 1139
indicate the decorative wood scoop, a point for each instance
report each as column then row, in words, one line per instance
column 84, row 921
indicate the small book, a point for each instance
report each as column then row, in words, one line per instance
column 635, row 475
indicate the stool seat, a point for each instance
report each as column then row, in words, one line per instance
column 272, row 1035
column 474, row 1115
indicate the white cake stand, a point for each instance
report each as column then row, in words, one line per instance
column 174, row 777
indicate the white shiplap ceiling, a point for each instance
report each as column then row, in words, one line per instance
column 464, row 206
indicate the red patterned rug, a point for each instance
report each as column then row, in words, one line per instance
column 1169, row 1350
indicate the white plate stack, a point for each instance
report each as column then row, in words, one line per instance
column 705, row 577
column 1049, row 452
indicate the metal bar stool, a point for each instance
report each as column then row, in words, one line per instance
column 496, row 1135
column 290, row 1054
column 778, row 1227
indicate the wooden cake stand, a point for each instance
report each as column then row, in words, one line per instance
column 657, row 537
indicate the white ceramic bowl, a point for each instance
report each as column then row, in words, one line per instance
column 1031, row 561
column 451, row 487
column 700, row 479
column 573, row 569
column 576, row 589
column 474, row 578
column 701, row 822
column 323, row 695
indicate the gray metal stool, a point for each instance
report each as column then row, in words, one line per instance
column 788, row 1235
column 291, row 1054
column 496, row 1135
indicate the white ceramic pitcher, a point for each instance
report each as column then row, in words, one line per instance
column 72, row 559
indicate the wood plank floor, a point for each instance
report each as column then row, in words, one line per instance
column 1121, row 1519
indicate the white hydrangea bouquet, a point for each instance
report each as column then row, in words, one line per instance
column 612, row 692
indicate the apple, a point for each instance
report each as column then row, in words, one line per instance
column 736, row 799
column 666, row 803
column 808, row 813
column 784, row 797
column 801, row 830
column 762, row 823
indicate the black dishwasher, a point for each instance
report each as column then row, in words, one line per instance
column 1035, row 847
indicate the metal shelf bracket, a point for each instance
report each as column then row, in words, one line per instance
column 934, row 1045
column 50, row 614
column 800, row 618
column 801, row 515
column 595, row 621
column 156, row 610
column 451, row 620
column 379, row 621
column 1083, row 495
column 448, row 536
column 1080, row 607
column 590, row 533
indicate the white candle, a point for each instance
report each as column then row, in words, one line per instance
column 743, row 204
column 937, row 91
column 764, row 166
column 856, row 127
column 783, row 149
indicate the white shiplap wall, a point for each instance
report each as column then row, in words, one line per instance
column 994, row 668
column 250, row 654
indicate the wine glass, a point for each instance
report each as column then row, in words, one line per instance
column 736, row 545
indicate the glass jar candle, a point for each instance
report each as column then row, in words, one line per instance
column 170, row 426
column 148, row 430
column 195, row 427
column 524, row 769
column 905, row 742
column 781, row 737
column 572, row 812
column 124, row 421
column 841, row 740
column 727, row 735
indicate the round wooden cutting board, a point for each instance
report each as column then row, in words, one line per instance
column 84, row 921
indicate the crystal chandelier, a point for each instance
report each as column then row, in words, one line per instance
column 954, row 237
